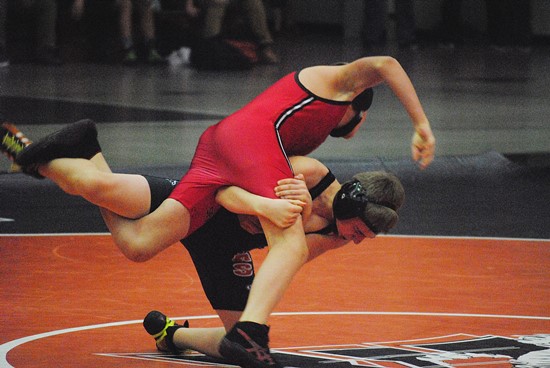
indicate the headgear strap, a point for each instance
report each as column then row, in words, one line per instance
column 361, row 102
column 348, row 128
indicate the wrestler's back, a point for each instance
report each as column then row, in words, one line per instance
column 302, row 119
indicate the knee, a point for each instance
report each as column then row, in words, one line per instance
column 136, row 254
column 138, row 257
column 135, row 251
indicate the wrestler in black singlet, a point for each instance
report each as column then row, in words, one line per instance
column 220, row 249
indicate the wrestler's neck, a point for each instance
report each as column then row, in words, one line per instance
column 322, row 215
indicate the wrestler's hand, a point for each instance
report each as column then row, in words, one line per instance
column 293, row 188
column 296, row 188
column 423, row 145
column 283, row 212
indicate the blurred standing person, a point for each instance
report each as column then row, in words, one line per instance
column 280, row 15
column 147, row 27
column 405, row 24
column 451, row 24
column 374, row 31
column 45, row 16
column 376, row 16
column 509, row 24
column 4, row 61
column 255, row 15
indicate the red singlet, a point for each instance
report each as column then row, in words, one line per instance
column 250, row 148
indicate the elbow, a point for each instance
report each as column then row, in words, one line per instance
column 377, row 62
column 387, row 69
column 385, row 63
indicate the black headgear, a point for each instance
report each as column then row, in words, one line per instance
column 360, row 103
column 351, row 201
column 363, row 100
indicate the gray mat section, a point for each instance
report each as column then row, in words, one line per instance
column 481, row 195
column 33, row 111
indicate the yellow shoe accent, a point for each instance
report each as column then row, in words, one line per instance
column 162, row 334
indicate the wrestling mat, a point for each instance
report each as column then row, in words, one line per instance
column 463, row 281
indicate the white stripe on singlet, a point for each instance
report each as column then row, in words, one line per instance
column 287, row 114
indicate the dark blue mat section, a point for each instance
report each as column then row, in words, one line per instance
column 482, row 195
column 26, row 110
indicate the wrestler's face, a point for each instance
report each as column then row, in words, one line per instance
column 354, row 229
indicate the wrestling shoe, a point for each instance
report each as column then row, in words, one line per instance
column 77, row 140
column 162, row 329
column 247, row 345
column 13, row 141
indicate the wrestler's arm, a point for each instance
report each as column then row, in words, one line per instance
column 282, row 212
column 345, row 82
column 310, row 170
column 370, row 71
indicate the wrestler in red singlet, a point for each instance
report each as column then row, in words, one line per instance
column 250, row 148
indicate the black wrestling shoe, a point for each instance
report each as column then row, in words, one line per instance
column 247, row 345
column 162, row 329
column 77, row 140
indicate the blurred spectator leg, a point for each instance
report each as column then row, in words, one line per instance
column 374, row 33
column 125, row 23
column 451, row 23
column 214, row 15
column 497, row 24
column 406, row 24
column 148, row 29
column 257, row 19
column 46, row 32
column 4, row 61
column 522, row 25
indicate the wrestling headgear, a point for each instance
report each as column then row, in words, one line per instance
column 351, row 201
column 360, row 103
column 363, row 101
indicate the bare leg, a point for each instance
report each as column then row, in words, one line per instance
column 100, row 162
column 246, row 344
column 124, row 194
column 94, row 180
column 206, row 340
column 141, row 239
column 121, row 188
column 287, row 253
column 124, row 197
